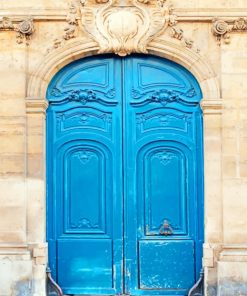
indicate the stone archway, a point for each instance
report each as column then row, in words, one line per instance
column 36, row 105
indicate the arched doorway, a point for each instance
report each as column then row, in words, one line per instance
column 124, row 177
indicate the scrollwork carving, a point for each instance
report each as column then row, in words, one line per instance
column 23, row 28
column 122, row 28
column 72, row 22
column 84, row 96
column 70, row 28
column 163, row 96
column 178, row 33
column 222, row 28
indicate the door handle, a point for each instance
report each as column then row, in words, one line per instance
column 166, row 229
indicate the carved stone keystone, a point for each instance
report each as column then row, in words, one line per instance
column 123, row 26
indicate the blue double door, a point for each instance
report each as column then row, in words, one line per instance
column 124, row 177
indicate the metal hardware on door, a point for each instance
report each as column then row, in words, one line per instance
column 166, row 229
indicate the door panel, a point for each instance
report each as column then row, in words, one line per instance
column 89, row 216
column 164, row 190
column 163, row 156
column 124, row 182
column 162, row 265
column 85, row 264
column 85, row 179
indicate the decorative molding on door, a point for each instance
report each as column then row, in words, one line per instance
column 24, row 28
column 222, row 28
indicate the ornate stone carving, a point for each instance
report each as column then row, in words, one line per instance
column 178, row 33
column 222, row 29
column 71, row 26
column 121, row 26
column 124, row 27
column 72, row 22
column 23, row 28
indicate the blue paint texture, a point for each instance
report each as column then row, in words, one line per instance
column 124, row 161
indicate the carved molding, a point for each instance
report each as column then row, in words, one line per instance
column 83, row 96
column 23, row 28
column 188, row 14
column 36, row 105
column 162, row 97
column 222, row 28
column 211, row 107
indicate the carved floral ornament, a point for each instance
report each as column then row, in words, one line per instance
column 222, row 29
column 23, row 28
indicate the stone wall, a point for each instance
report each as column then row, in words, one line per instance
column 26, row 70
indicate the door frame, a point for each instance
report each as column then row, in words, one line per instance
column 211, row 104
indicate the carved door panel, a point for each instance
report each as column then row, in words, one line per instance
column 164, row 182
column 124, row 182
column 85, row 177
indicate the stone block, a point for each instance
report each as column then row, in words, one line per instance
column 12, row 107
column 6, row 276
column 229, row 166
column 229, row 146
column 12, row 192
column 232, row 279
column 36, row 210
column 233, row 86
column 243, row 168
column 15, row 277
column 12, row 144
column 12, row 165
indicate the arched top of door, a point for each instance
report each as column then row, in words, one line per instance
column 83, row 47
column 158, row 79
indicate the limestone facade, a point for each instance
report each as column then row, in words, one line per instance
column 209, row 38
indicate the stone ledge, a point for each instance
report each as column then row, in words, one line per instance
column 211, row 106
column 184, row 14
column 233, row 253
column 36, row 105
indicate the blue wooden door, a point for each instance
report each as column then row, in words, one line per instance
column 125, row 177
